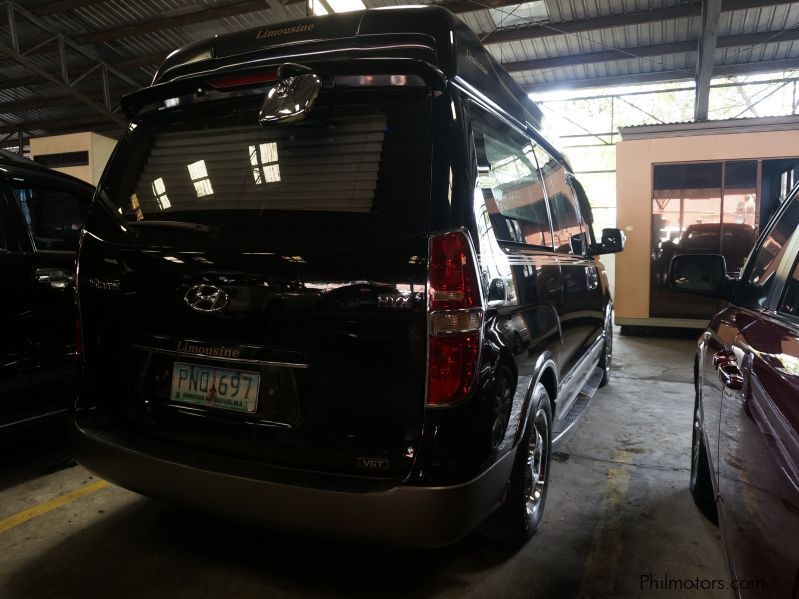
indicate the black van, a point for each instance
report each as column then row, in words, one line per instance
column 335, row 280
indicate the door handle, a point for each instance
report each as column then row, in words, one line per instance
column 57, row 278
column 730, row 376
column 592, row 277
column 722, row 357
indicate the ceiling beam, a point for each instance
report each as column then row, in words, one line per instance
column 20, row 82
column 462, row 6
column 706, row 55
column 540, row 30
column 730, row 41
column 192, row 18
column 56, row 80
column 50, row 8
column 536, row 30
column 769, row 66
column 17, row 106
column 71, row 123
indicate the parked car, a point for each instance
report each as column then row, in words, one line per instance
column 322, row 292
column 745, row 458
column 735, row 245
column 41, row 214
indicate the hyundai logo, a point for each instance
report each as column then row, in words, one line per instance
column 206, row 298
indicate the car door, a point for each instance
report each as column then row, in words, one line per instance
column 52, row 209
column 581, row 306
column 15, row 301
column 759, row 423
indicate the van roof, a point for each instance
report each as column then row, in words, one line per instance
column 397, row 32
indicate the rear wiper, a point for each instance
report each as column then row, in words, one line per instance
column 174, row 224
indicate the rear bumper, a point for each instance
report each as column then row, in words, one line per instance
column 402, row 515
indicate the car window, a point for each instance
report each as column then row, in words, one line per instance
column 344, row 174
column 511, row 186
column 565, row 214
column 790, row 301
column 760, row 275
column 54, row 216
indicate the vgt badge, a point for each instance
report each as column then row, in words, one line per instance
column 373, row 463
column 206, row 298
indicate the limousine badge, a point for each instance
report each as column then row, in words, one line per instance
column 206, row 298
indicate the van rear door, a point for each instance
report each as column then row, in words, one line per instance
column 288, row 258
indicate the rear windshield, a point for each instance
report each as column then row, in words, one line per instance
column 349, row 172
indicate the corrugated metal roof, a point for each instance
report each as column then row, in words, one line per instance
column 720, row 127
column 678, row 61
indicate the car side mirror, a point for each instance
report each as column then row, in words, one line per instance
column 497, row 293
column 578, row 243
column 612, row 242
column 700, row 274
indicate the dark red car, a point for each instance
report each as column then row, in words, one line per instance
column 745, row 459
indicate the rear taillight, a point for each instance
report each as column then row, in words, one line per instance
column 455, row 317
column 242, row 80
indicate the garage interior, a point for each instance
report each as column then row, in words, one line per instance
column 620, row 519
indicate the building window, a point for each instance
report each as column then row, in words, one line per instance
column 159, row 191
column 264, row 161
column 199, row 176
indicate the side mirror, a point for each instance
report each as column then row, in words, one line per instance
column 578, row 243
column 700, row 274
column 497, row 293
column 612, row 242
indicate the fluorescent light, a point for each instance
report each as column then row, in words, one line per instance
column 317, row 8
column 345, row 5
column 529, row 12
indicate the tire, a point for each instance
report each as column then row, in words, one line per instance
column 700, row 483
column 523, row 509
column 606, row 360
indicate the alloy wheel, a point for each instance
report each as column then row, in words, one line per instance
column 537, row 460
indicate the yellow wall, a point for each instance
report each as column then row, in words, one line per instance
column 634, row 160
column 98, row 146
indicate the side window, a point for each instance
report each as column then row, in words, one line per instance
column 55, row 217
column 790, row 302
column 566, row 224
column 511, row 186
column 760, row 275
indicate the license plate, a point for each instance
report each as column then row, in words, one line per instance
column 215, row 387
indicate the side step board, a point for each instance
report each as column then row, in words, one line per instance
column 579, row 406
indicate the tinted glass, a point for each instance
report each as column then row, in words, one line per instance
column 754, row 290
column 55, row 217
column 562, row 202
column 511, row 187
column 686, row 219
column 790, row 303
column 350, row 172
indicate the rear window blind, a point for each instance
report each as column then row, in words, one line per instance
column 304, row 167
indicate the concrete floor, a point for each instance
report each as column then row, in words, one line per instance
column 618, row 510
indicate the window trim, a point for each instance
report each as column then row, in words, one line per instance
column 777, row 290
column 575, row 203
column 42, row 181
column 475, row 118
column 784, row 275
column 18, row 235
